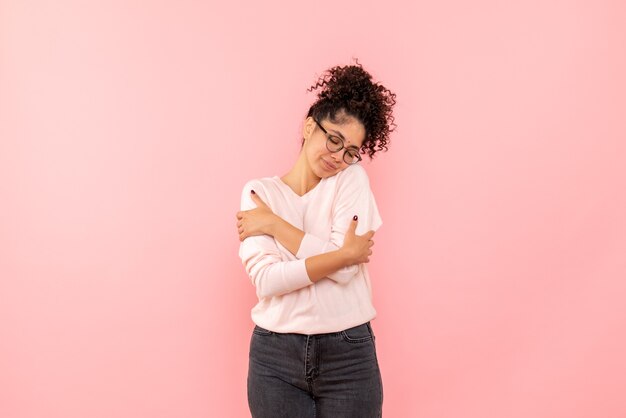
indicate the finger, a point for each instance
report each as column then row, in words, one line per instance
column 353, row 224
column 239, row 224
column 369, row 252
column 257, row 199
column 371, row 243
column 239, row 215
column 368, row 234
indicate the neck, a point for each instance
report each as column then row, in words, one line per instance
column 301, row 178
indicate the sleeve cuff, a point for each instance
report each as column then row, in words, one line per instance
column 297, row 275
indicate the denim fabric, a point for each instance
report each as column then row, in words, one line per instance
column 322, row 375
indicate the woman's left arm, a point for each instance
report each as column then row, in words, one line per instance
column 262, row 221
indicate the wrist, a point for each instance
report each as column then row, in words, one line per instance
column 273, row 225
column 344, row 255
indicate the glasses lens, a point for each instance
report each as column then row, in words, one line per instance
column 334, row 143
column 351, row 156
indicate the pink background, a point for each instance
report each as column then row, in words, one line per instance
column 128, row 129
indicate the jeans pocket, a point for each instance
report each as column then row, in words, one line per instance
column 358, row 334
column 261, row 331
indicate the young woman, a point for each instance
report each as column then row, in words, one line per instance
column 305, row 240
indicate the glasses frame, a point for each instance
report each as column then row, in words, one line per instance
column 343, row 145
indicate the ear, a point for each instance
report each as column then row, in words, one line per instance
column 308, row 128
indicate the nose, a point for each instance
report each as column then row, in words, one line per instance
column 337, row 156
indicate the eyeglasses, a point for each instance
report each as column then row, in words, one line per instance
column 335, row 143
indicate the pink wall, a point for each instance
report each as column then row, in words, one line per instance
column 128, row 129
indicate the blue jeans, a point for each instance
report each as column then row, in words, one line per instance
column 322, row 375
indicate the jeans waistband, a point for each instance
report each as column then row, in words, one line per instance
column 366, row 324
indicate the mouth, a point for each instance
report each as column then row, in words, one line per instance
column 328, row 165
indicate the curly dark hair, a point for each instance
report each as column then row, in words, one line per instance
column 349, row 90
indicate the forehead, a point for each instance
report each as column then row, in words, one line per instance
column 349, row 128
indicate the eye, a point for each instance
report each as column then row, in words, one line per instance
column 351, row 156
column 334, row 139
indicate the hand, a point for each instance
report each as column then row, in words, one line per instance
column 257, row 221
column 357, row 248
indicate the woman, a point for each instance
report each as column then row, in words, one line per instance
column 305, row 240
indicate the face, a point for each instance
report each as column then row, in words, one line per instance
column 322, row 162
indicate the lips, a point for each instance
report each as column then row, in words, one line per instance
column 328, row 165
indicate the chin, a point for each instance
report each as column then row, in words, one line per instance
column 322, row 173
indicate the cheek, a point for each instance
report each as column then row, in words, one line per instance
column 316, row 151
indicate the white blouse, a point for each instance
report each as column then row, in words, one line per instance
column 288, row 300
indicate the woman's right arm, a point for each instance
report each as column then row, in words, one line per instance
column 273, row 277
column 355, row 250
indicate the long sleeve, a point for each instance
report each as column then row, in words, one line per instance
column 261, row 257
column 312, row 245
column 354, row 197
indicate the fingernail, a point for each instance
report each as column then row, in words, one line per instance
column 355, row 217
column 253, row 192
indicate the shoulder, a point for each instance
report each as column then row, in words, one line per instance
column 266, row 188
column 260, row 185
column 353, row 174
